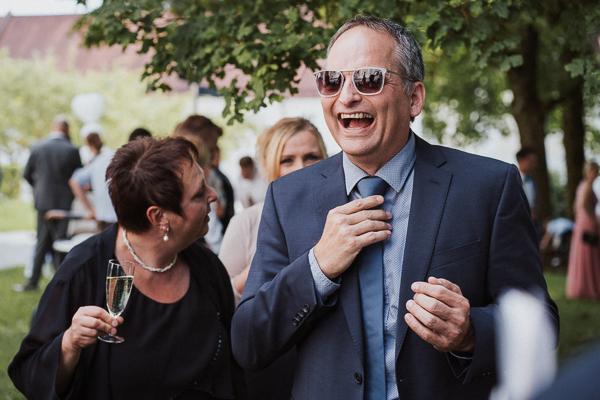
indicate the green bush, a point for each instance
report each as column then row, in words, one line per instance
column 11, row 179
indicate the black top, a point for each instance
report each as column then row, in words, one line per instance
column 179, row 350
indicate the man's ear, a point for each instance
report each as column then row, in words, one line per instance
column 417, row 99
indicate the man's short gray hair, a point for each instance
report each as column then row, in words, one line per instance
column 409, row 58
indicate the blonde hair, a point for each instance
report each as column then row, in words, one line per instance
column 270, row 143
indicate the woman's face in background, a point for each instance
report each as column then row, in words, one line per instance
column 301, row 150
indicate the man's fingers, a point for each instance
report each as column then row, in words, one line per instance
column 438, row 291
column 423, row 331
column 425, row 317
column 432, row 305
column 445, row 283
column 360, row 204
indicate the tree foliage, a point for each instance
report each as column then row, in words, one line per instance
column 34, row 92
column 268, row 40
column 476, row 51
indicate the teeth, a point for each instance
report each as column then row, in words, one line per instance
column 356, row 115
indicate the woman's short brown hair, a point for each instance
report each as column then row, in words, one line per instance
column 148, row 172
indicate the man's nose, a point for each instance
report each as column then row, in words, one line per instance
column 349, row 94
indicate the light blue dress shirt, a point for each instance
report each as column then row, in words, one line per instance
column 399, row 174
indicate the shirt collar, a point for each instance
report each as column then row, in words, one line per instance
column 403, row 161
column 57, row 135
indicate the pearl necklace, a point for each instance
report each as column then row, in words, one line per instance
column 160, row 270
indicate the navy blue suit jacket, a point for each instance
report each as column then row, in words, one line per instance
column 469, row 223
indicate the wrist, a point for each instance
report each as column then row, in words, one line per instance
column 468, row 343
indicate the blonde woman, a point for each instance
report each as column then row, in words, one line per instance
column 289, row 145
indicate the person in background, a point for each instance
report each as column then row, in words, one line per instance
column 87, row 153
column 139, row 133
column 94, row 174
column 527, row 162
column 195, row 133
column 557, row 239
column 226, row 209
column 583, row 274
column 251, row 187
column 391, row 303
column 177, row 321
column 50, row 166
column 287, row 146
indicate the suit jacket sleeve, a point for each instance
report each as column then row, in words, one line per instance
column 30, row 168
column 280, row 299
column 513, row 262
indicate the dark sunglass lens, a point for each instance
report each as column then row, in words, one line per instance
column 368, row 80
column 329, row 82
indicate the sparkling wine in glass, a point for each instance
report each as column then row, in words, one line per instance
column 119, row 282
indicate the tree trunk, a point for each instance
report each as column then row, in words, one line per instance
column 574, row 138
column 530, row 114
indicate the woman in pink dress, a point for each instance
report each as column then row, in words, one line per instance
column 583, row 276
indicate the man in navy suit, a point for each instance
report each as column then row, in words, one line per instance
column 48, row 170
column 455, row 230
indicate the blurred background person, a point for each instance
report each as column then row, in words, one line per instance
column 177, row 321
column 226, row 209
column 289, row 145
column 557, row 239
column 251, row 188
column 210, row 133
column 87, row 152
column 139, row 133
column 195, row 130
column 527, row 164
column 94, row 175
column 50, row 166
column 583, row 274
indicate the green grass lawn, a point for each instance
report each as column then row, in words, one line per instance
column 15, row 316
column 16, row 215
column 579, row 321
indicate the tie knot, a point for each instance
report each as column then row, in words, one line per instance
column 371, row 185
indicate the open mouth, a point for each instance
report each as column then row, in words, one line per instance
column 356, row 120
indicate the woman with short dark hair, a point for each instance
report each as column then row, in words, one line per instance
column 177, row 320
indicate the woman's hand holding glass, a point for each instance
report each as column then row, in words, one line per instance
column 119, row 282
column 91, row 323
column 88, row 323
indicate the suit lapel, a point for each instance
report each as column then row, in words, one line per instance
column 329, row 193
column 430, row 190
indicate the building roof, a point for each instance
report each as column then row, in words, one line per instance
column 29, row 36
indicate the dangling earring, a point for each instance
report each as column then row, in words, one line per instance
column 166, row 229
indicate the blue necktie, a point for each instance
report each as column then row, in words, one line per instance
column 370, row 275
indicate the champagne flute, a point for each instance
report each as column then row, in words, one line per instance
column 119, row 282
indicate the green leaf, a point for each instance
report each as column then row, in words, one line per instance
column 576, row 68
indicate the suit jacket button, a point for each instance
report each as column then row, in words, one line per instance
column 305, row 308
column 295, row 322
column 357, row 378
